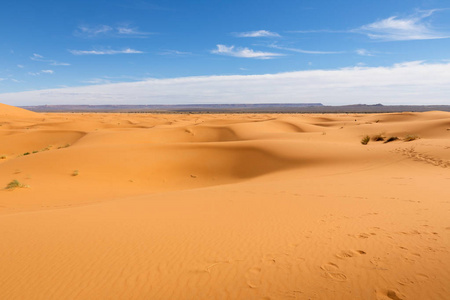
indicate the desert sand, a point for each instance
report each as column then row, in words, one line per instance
column 224, row 206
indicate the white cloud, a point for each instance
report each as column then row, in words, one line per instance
column 38, row 57
column 258, row 33
column 92, row 31
column 120, row 31
column 105, row 52
column 275, row 46
column 55, row 63
column 41, row 72
column 175, row 52
column 318, row 31
column 130, row 31
column 406, row 83
column 364, row 52
column 21, row 66
column 244, row 52
column 413, row 27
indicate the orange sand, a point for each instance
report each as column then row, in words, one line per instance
column 227, row 206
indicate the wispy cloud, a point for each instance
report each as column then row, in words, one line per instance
column 126, row 30
column 105, row 52
column 56, row 63
column 174, row 53
column 404, row 83
column 21, row 66
column 318, row 31
column 113, row 79
column 395, row 28
column 106, row 31
column 93, row 31
column 364, row 52
column 244, row 52
column 41, row 72
column 275, row 46
column 258, row 33
column 97, row 81
column 413, row 27
column 10, row 78
column 38, row 57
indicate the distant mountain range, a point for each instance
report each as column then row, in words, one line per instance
column 239, row 108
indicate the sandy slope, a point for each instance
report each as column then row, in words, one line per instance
column 250, row 206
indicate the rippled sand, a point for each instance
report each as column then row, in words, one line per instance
column 226, row 206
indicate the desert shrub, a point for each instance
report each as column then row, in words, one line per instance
column 75, row 173
column 377, row 138
column 15, row 184
column 391, row 139
column 2, row 156
column 365, row 140
column 410, row 137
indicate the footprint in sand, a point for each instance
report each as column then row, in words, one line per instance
column 350, row 253
column 332, row 272
column 422, row 277
column 389, row 295
column 253, row 277
column 364, row 235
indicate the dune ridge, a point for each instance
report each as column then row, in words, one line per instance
column 229, row 206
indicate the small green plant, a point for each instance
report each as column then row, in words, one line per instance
column 378, row 138
column 75, row 173
column 35, row 151
column 391, row 139
column 15, row 184
column 410, row 137
column 65, row 146
column 365, row 140
column 26, row 153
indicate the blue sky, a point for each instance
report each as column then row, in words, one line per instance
column 62, row 46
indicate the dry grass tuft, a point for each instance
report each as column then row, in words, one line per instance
column 365, row 140
column 377, row 138
column 391, row 139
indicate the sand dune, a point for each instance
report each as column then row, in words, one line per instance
column 227, row 206
column 12, row 111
